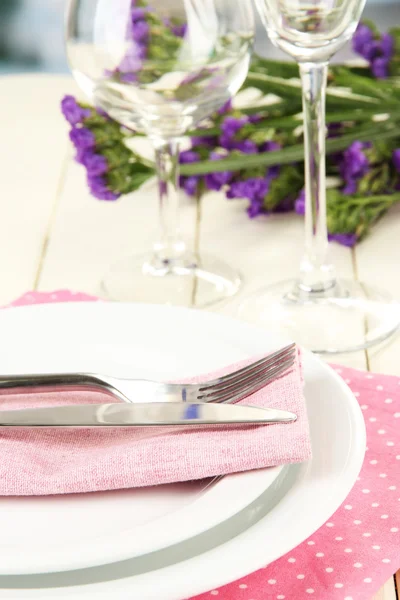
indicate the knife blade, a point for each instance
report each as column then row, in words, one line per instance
column 148, row 414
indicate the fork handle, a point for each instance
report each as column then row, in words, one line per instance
column 57, row 382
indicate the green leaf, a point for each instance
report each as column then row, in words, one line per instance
column 291, row 153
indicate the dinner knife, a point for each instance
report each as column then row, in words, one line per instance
column 143, row 415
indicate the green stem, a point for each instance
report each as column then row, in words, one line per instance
column 290, row 154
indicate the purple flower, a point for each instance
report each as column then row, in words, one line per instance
column 387, row 45
column 225, row 107
column 246, row 146
column 140, row 31
column 131, row 63
column 377, row 52
column 300, row 203
column 236, row 190
column 230, row 125
column 179, row 30
column 96, row 164
column 72, row 111
column 99, row 189
column 354, row 165
column 189, row 184
column 346, row 239
column 82, row 138
column 188, row 156
column 207, row 141
column 396, row 159
column 380, row 67
column 362, row 36
column 138, row 13
column 215, row 181
column 270, row 146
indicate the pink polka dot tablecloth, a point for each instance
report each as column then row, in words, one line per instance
column 358, row 549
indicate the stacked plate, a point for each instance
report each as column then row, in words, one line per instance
column 175, row 541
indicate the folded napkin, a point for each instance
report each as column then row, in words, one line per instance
column 61, row 461
column 356, row 551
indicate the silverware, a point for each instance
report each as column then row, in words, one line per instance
column 142, row 415
column 226, row 389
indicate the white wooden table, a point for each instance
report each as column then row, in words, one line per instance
column 54, row 235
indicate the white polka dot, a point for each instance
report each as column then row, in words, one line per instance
column 368, row 580
column 330, row 524
column 357, row 565
column 339, row 539
column 388, row 401
column 383, row 475
column 391, row 487
column 366, row 534
column 338, row 370
column 214, row 593
column 280, row 597
column 301, row 576
column 272, row 581
column 398, row 457
column 394, row 529
column 384, row 516
column 357, row 522
column 329, row 569
column 348, row 550
column 347, row 380
column 319, row 554
column 386, row 560
column 348, row 598
column 356, row 394
column 381, row 431
column 311, row 543
column 389, row 443
column 348, row 506
column 379, row 388
column 369, row 377
column 373, row 462
column 375, row 504
column 243, row 586
column 397, row 415
column 364, row 406
column 338, row 585
column 365, row 491
column 309, row 591
column 291, row 560
column 376, row 547
column 372, row 419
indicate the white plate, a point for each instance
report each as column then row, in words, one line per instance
column 82, row 530
column 301, row 499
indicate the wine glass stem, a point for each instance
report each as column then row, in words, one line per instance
column 170, row 245
column 317, row 274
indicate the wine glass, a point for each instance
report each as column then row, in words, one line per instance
column 321, row 312
column 159, row 68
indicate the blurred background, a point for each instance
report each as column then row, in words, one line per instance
column 32, row 39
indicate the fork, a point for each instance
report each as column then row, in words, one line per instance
column 226, row 389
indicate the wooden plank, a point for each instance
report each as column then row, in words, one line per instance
column 32, row 150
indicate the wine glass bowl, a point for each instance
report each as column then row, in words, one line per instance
column 159, row 68
column 310, row 30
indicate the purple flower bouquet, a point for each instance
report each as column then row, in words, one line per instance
column 256, row 153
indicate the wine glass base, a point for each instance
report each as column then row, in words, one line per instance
column 348, row 317
column 185, row 281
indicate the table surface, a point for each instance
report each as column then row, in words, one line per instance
column 54, row 235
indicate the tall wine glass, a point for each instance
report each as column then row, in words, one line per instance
column 159, row 68
column 318, row 310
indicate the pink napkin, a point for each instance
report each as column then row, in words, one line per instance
column 358, row 549
column 52, row 461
